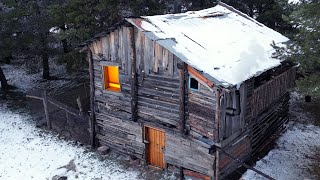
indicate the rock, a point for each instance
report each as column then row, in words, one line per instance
column 60, row 174
column 173, row 169
column 103, row 150
column 135, row 162
column 71, row 166
column 57, row 177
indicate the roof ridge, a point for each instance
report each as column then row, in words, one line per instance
column 239, row 13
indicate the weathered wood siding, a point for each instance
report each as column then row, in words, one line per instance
column 271, row 91
column 240, row 150
column 182, row 151
column 158, row 82
column 158, row 89
column 231, row 125
column 264, row 111
column 113, row 109
column 201, row 109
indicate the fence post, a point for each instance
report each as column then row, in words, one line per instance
column 80, row 105
column 46, row 111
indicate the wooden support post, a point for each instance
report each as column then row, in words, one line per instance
column 216, row 133
column 92, row 89
column 181, row 174
column 133, row 77
column 67, row 117
column 217, row 171
column 80, row 105
column 46, row 110
column 182, row 93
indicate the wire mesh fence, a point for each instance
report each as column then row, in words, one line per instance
column 65, row 113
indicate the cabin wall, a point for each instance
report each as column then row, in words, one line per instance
column 231, row 126
column 158, row 83
column 264, row 110
column 113, row 109
column 201, row 112
column 158, row 105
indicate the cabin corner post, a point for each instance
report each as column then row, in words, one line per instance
column 133, row 76
column 217, row 128
column 92, row 103
column 182, row 97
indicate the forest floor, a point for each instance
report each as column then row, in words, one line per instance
column 28, row 152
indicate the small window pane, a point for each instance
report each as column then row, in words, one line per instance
column 111, row 78
column 194, row 84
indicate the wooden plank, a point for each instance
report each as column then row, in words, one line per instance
column 92, row 101
column 182, row 95
column 199, row 76
column 46, row 110
column 134, row 97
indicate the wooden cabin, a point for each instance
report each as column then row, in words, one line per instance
column 180, row 89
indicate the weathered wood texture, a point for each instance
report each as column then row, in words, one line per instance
column 230, row 125
column 240, row 150
column 264, row 110
column 271, row 91
column 181, row 151
column 269, row 123
column 122, row 135
column 201, row 108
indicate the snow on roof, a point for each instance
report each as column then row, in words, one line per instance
column 228, row 46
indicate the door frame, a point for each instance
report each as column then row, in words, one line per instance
column 145, row 141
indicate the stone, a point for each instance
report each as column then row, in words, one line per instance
column 103, row 150
column 135, row 162
column 58, row 177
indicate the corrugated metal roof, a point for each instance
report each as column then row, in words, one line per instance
column 228, row 46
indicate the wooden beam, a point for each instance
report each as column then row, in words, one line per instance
column 182, row 93
column 199, row 76
column 46, row 110
column 92, row 102
column 133, row 76
column 34, row 97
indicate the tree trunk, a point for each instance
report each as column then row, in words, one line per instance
column 4, row 83
column 65, row 43
column 8, row 59
column 45, row 65
column 45, row 57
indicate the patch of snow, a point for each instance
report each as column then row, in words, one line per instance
column 294, row 1
column 28, row 153
column 293, row 156
column 19, row 76
column 222, row 42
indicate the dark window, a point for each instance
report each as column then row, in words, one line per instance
column 193, row 84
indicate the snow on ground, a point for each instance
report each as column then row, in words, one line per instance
column 19, row 76
column 292, row 158
column 27, row 153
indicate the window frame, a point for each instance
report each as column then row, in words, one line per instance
column 189, row 84
column 106, row 82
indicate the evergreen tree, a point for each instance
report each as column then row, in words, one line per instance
column 268, row 12
column 305, row 46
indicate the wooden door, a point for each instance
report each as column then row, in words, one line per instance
column 155, row 148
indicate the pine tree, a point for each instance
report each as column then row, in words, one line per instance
column 305, row 46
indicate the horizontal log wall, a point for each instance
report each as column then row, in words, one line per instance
column 157, row 102
column 181, row 151
column 201, row 117
column 240, row 149
column 269, row 123
column 113, row 109
column 158, row 83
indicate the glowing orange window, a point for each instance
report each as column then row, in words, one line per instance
column 111, row 78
